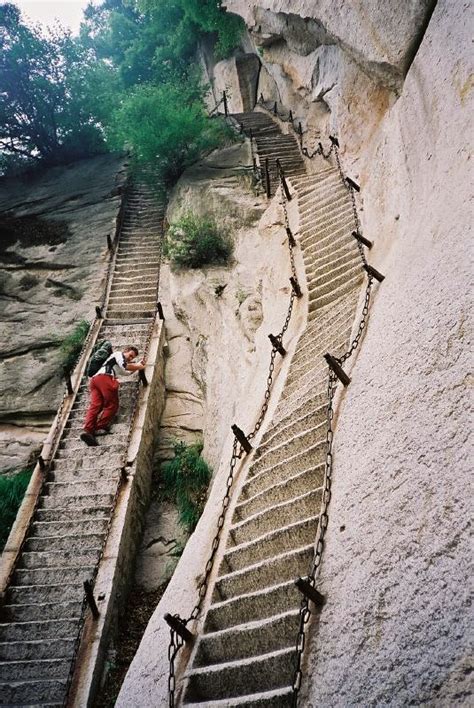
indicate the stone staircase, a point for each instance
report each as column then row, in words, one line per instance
column 42, row 611
column 245, row 655
column 272, row 144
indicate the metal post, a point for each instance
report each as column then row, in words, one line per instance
column 226, row 111
column 276, row 343
column 275, row 109
column 91, row 599
column 142, row 377
column 267, row 179
column 98, row 312
column 296, row 286
column 310, row 592
column 160, row 311
column 42, row 463
column 177, row 624
column 241, row 437
column 67, row 376
column 283, row 181
column 361, row 239
column 109, row 242
column 291, row 238
column 338, row 370
column 352, row 184
column 300, row 133
column 374, row 273
column 290, row 117
column 261, row 99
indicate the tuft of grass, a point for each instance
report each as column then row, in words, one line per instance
column 186, row 478
column 72, row 344
column 12, row 490
column 194, row 241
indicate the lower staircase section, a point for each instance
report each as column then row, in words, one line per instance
column 42, row 611
column 245, row 655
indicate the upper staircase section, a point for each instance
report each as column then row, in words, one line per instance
column 272, row 145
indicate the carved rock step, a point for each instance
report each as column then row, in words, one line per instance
column 279, row 698
column 246, row 528
column 241, row 677
column 323, row 214
column 324, row 243
column 29, row 613
column 71, row 529
column 72, row 514
column 261, row 604
column 264, row 547
column 345, row 250
column 339, row 287
column 26, row 670
column 33, row 692
column 262, row 492
column 280, row 450
column 31, row 631
column 66, row 502
column 286, row 566
column 55, row 559
column 37, row 650
column 299, row 423
column 84, row 542
column 250, row 639
column 299, row 461
column 341, row 218
column 316, row 387
column 39, row 594
column 52, row 576
column 328, row 194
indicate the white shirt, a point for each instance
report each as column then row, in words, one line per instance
column 114, row 369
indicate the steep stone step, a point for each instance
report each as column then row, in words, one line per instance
column 40, row 630
column 245, row 528
column 52, row 576
column 241, row 677
column 262, row 492
column 73, row 528
column 270, row 544
column 84, row 487
column 64, row 502
column 39, row 594
column 280, row 450
column 34, row 692
column 299, row 423
column 54, row 559
column 336, row 289
column 296, row 462
column 279, row 698
column 257, row 605
column 29, row 613
column 71, row 514
column 250, row 639
column 63, row 543
column 27, row 670
column 37, row 650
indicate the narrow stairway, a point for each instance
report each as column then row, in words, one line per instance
column 42, row 612
column 245, row 655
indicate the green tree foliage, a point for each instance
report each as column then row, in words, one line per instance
column 45, row 107
column 12, row 491
column 166, row 126
column 186, row 478
column 72, row 344
column 195, row 241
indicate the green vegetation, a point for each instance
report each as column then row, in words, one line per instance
column 72, row 344
column 12, row 490
column 186, row 478
column 195, row 241
column 129, row 81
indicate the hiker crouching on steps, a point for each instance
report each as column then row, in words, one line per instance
column 104, row 388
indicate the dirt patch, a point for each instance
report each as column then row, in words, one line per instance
column 31, row 231
column 140, row 606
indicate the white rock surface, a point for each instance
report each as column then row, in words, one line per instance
column 397, row 625
column 50, row 280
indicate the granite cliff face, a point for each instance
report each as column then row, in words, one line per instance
column 394, row 82
column 53, row 257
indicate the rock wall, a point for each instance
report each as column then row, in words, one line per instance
column 397, row 90
column 53, row 256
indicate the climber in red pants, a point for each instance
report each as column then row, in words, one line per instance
column 104, row 388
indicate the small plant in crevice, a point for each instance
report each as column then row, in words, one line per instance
column 12, row 490
column 186, row 478
column 71, row 345
column 195, row 241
